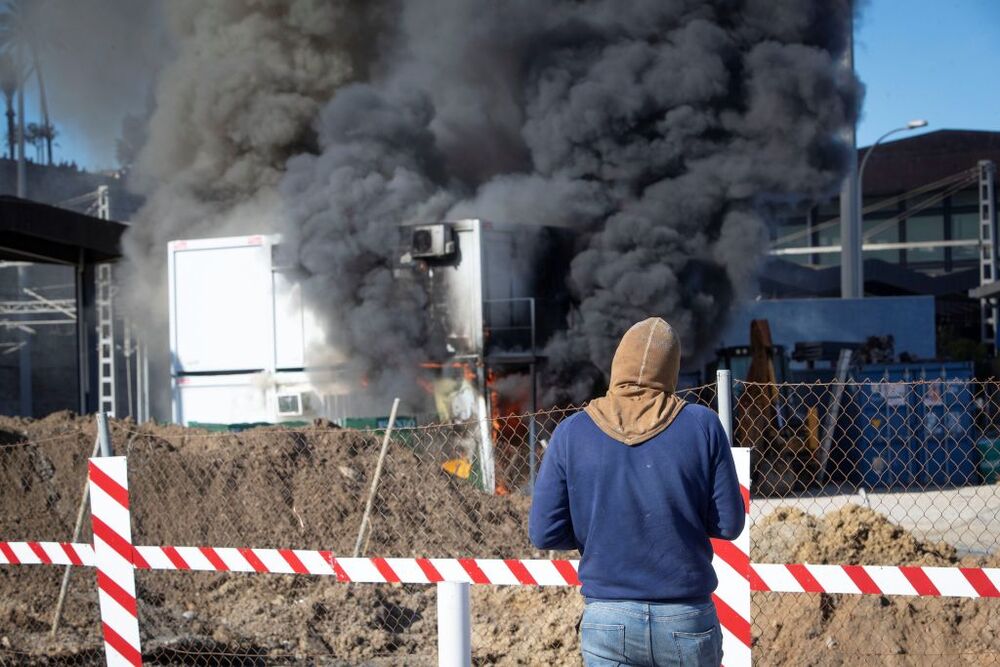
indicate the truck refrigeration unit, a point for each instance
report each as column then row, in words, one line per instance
column 241, row 338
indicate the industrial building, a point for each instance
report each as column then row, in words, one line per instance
column 924, row 198
column 66, row 227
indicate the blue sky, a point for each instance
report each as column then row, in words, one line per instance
column 932, row 59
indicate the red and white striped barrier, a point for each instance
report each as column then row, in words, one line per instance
column 925, row 581
column 497, row 572
column 962, row 582
column 113, row 557
column 46, row 553
column 732, row 566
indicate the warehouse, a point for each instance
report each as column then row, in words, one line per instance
column 921, row 212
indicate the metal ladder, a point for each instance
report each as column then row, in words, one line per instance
column 987, row 249
column 105, row 321
column 105, row 341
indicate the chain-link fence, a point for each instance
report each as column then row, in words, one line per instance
column 873, row 473
column 440, row 494
column 43, row 470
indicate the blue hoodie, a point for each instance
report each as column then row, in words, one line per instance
column 640, row 515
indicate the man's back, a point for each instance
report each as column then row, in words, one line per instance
column 638, row 482
column 641, row 515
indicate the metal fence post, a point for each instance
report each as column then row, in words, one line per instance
column 103, row 434
column 454, row 624
column 724, row 392
column 77, row 530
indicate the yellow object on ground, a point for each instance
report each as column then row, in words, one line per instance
column 457, row 467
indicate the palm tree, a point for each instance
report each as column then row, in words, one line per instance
column 33, row 136
column 47, row 132
column 17, row 34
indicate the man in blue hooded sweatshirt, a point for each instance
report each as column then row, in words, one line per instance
column 638, row 482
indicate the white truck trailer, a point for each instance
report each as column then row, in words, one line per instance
column 238, row 334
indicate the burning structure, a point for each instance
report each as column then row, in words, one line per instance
column 245, row 349
column 664, row 134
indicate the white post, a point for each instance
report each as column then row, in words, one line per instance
column 486, row 463
column 113, row 554
column 454, row 625
column 724, row 393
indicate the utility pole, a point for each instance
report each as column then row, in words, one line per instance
column 26, row 406
column 852, row 281
column 21, row 185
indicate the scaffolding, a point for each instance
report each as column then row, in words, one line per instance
column 987, row 250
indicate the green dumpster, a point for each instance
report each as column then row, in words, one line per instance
column 989, row 459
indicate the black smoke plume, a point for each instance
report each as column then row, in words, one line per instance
column 667, row 132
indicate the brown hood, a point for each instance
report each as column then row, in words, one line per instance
column 640, row 402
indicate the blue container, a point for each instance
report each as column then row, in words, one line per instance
column 885, row 456
column 925, row 408
column 947, row 452
column 913, row 372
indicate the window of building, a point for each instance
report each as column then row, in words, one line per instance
column 829, row 236
column 877, row 231
column 791, row 233
column 968, row 197
column 795, row 228
column 829, row 209
column 925, row 229
column 965, row 226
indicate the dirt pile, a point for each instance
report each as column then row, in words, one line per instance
column 43, row 468
column 307, row 489
column 270, row 487
column 851, row 535
column 820, row 629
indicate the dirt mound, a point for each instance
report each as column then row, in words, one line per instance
column 821, row 629
column 270, row 487
column 851, row 535
column 43, row 467
column 832, row 630
column 855, row 535
column 777, row 537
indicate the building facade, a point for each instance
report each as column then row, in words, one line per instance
column 920, row 231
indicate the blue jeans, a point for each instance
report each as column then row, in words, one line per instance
column 650, row 635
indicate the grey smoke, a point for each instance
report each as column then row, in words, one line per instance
column 98, row 59
column 668, row 132
column 379, row 167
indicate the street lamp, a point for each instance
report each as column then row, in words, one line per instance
column 859, row 214
column 912, row 125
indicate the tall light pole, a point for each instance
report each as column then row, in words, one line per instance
column 912, row 125
column 858, row 206
column 851, row 279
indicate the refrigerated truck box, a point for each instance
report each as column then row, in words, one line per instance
column 237, row 332
column 242, row 398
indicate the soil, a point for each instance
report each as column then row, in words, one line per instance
column 821, row 629
column 307, row 489
column 269, row 487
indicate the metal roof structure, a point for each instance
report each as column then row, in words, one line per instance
column 35, row 232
